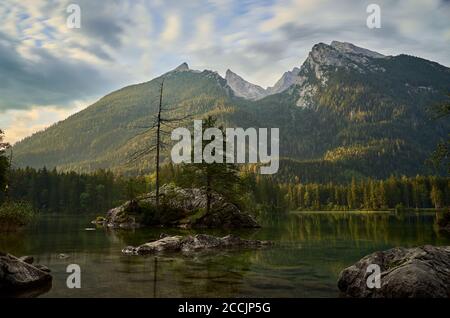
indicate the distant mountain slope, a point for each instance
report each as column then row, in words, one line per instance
column 348, row 112
column 242, row 88
column 288, row 79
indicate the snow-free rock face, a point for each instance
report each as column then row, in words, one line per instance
column 287, row 80
column 325, row 59
column 242, row 88
column 349, row 48
column 322, row 59
column 196, row 243
column 180, row 207
column 405, row 273
column 182, row 67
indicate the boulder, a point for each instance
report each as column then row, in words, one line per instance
column 194, row 243
column 17, row 275
column 121, row 217
column 43, row 268
column 27, row 259
column 180, row 207
column 421, row 272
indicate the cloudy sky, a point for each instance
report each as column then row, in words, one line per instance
column 49, row 71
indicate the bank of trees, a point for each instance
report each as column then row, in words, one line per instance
column 418, row 192
column 61, row 191
column 68, row 191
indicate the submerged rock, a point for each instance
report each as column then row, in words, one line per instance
column 16, row 275
column 405, row 273
column 179, row 207
column 194, row 243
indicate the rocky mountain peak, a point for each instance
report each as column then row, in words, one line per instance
column 182, row 67
column 349, row 48
column 341, row 54
column 243, row 88
column 288, row 79
column 325, row 59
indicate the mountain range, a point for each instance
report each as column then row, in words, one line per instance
column 345, row 112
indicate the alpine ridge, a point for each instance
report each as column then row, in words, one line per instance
column 345, row 112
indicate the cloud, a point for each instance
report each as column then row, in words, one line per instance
column 171, row 29
column 22, row 123
column 47, row 80
column 45, row 64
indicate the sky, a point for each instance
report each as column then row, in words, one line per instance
column 49, row 71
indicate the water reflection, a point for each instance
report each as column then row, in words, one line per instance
column 311, row 250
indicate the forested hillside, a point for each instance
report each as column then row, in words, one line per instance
column 350, row 114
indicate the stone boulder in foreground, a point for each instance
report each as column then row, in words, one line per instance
column 180, row 207
column 19, row 276
column 421, row 272
column 199, row 242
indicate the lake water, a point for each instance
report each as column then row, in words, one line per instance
column 311, row 249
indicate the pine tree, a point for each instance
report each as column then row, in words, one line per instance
column 222, row 178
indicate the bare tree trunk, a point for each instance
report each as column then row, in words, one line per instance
column 8, row 185
column 158, row 144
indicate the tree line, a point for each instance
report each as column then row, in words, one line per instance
column 68, row 191
column 420, row 192
column 51, row 190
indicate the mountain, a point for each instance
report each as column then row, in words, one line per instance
column 247, row 90
column 346, row 112
column 288, row 79
column 242, row 88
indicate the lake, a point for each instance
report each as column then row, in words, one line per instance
column 311, row 249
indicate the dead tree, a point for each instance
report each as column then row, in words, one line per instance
column 160, row 122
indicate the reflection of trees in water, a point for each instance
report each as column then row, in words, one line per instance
column 12, row 242
column 388, row 228
column 216, row 273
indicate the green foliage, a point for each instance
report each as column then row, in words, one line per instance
column 368, row 194
column 69, row 191
column 222, row 178
column 14, row 215
column 441, row 156
column 166, row 215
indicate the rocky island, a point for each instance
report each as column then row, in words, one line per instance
column 179, row 207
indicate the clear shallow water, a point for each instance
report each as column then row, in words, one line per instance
column 311, row 249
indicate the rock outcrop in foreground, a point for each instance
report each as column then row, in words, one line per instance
column 180, row 207
column 421, row 272
column 199, row 242
column 19, row 276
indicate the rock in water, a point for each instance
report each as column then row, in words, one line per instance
column 421, row 272
column 181, row 208
column 42, row 268
column 190, row 243
column 17, row 275
column 27, row 259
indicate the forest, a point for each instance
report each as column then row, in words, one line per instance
column 50, row 190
